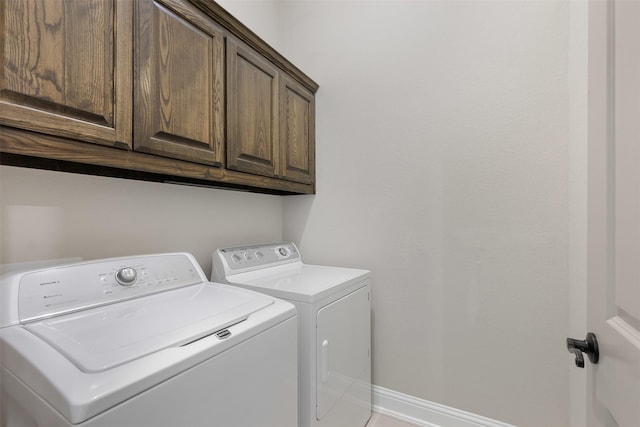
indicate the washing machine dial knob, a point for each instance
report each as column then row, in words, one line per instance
column 126, row 276
column 283, row 251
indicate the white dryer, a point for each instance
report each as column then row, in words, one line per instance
column 334, row 327
column 143, row 341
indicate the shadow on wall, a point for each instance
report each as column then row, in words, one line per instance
column 296, row 212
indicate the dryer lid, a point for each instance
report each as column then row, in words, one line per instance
column 299, row 282
column 102, row 338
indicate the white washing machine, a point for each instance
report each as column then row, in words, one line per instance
column 334, row 327
column 143, row 341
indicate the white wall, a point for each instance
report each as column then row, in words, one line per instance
column 52, row 215
column 263, row 17
column 443, row 166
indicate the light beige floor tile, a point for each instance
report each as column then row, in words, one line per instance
column 379, row 420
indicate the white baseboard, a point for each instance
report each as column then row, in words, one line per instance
column 424, row 413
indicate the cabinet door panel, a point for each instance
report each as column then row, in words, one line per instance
column 179, row 92
column 252, row 126
column 297, row 133
column 64, row 65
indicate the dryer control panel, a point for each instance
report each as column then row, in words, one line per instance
column 247, row 258
column 64, row 289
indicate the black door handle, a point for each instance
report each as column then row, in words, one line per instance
column 589, row 346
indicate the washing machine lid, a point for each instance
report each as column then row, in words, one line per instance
column 101, row 338
column 298, row 281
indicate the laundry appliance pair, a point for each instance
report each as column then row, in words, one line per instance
column 150, row 341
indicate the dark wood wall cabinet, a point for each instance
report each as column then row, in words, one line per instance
column 163, row 90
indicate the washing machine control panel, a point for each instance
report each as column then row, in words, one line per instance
column 84, row 285
column 247, row 258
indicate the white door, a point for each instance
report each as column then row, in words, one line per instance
column 343, row 371
column 614, row 212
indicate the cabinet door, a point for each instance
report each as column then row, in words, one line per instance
column 297, row 133
column 179, row 83
column 252, row 112
column 66, row 68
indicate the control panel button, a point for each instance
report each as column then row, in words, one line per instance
column 283, row 251
column 248, row 256
column 126, row 276
column 236, row 258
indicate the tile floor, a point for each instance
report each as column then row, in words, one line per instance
column 379, row 420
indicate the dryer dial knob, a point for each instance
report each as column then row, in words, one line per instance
column 126, row 276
